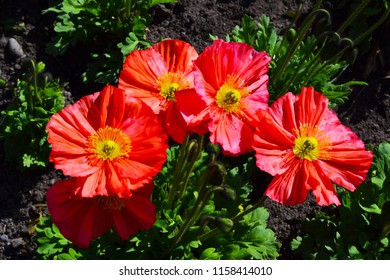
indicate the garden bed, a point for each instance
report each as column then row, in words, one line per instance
column 22, row 194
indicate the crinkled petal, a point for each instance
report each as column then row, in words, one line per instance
column 234, row 136
column 80, row 220
column 138, row 213
column 68, row 133
column 311, row 106
column 178, row 55
column 290, row 188
column 321, row 185
column 139, row 76
column 175, row 124
column 194, row 111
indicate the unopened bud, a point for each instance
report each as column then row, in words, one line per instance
column 224, row 224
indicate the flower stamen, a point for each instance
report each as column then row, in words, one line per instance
column 109, row 143
column 230, row 94
column 169, row 83
column 311, row 143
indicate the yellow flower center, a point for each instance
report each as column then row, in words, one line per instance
column 169, row 83
column 230, row 94
column 109, row 143
column 311, row 143
column 109, row 203
column 306, row 147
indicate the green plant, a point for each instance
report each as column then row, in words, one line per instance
column 37, row 98
column 360, row 227
column 52, row 243
column 109, row 29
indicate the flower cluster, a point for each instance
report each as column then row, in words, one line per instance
column 113, row 143
column 112, row 146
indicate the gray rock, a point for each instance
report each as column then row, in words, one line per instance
column 15, row 48
column 17, row 242
column 4, row 238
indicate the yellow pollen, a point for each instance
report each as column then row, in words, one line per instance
column 168, row 91
column 230, row 94
column 109, row 143
column 306, row 147
column 311, row 143
column 169, row 83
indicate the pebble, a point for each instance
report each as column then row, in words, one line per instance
column 17, row 242
column 15, row 48
column 4, row 238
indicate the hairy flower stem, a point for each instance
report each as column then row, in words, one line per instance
column 128, row 4
column 190, row 152
column 235, row 219
column 298, row 39
column 204, row 194
column 32, row 89
column 173, row 187
column 353, row 16
column 378, row 23
column 35, row 82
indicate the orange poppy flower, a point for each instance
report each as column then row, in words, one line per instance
column 302, row 143
column 231, row 86
column 83, row 219
column 114, row 141
column 156, row 75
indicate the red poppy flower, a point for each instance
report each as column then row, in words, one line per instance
column 303, row 144
column 83, row 219
column 155, row 75
column 117, row 143
column 231, row 86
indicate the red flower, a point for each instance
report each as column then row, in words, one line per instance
column 231, row 86
column 156, row 75
column 303, row 144
column 116, row 143
column 82, row 219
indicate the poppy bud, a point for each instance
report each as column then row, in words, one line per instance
column 224, row 224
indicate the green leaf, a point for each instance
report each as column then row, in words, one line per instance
column 257, row 217
column 210, row 254
column 373, row 208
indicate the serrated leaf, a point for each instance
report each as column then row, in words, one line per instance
column 257, row 217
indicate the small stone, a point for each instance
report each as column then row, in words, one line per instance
column 4, row 238
column 17, row 242
column 15, row 48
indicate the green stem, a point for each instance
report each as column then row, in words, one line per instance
column 299, row 38
column 372, row 28
column 128, row 5
column 203, row 197
column 295, row 19
column 190, row 167
column 353, row 16
column 235, row 219
column 174, row 185
column 292, row 78
column 35, row 82
column 318, row 66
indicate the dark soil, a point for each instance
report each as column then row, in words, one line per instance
column 22, row 194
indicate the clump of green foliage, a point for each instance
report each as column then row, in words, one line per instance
column 37, row 98
column 110, row 29
column 360, row 227
column 52, row 244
